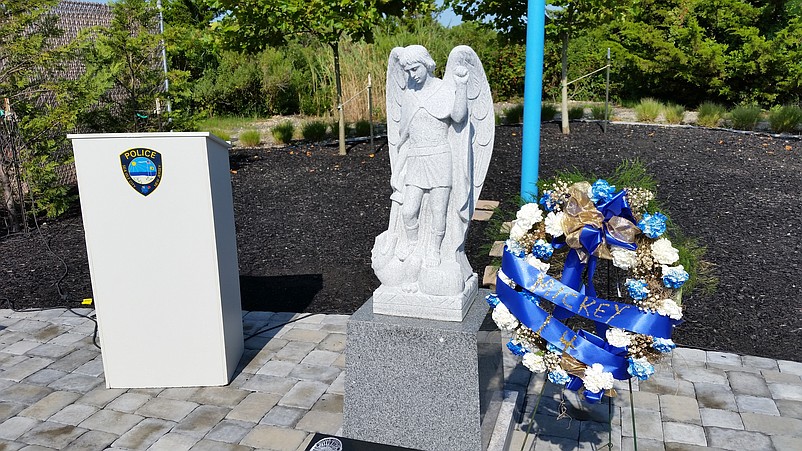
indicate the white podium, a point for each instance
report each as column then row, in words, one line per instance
column 159, row 222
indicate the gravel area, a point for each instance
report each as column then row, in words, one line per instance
column 306, row 219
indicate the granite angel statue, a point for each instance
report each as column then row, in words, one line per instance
column 440, row 137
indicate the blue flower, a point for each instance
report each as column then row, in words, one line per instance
column 542, row 250
column 554, row 349
column 515, row 248
column 516, row 348
column 640, row 368
column 663, row 344
column 492, row 300
column 637, row 289
column 546, row 201
column 559, row 377
column 601, row 191
column 653, row 225
column 674, row 276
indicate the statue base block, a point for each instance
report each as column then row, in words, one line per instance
column 423, row 384
column 396, row 302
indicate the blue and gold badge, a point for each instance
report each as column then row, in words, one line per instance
column 142, row 168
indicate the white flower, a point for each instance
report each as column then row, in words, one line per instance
column 618, row 337
column 518, row 231
column 623, row 258
column 504, row 319
column 507, row 281
column 664, row 252
column 534, row 362
column 554, row 224
column 530, row 213
column 596, row 379
column 670, row 308
column 535, row 262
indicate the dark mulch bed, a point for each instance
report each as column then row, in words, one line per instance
column 306, row 220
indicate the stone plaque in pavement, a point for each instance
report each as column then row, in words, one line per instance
column 322, row 442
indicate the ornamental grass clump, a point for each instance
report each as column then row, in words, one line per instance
column 250, row 138
column 313, row 130
column 710, row 114
column 283, row 132
column 576, row 112
column 647, row 110
column 785, row 119
column 222, row 134
column 745, row 117
column 514, row 115
column 598, row 112
column 362, row 128
column 547, row 112
column 674, row 113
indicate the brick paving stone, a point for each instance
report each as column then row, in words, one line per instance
column 49, row 405
column 687, row 447
column 178, row 393
column 100, row 396
column 329, row 402
column 167, row 409
column 274, row 438
column 771, row 425
column 333, row 343
column 269, row 384
column 340, row 362
column 52, row 435
column 792, row 392
column 642, row 400
column 748, row 384
column 254, row 407
column 788, row 408
column 275, row 345
column 230, row 431
column 211, row 445
column 316, row 318
column 256, row 343
column 144, row 434
column 8, row 410
column 93, row 367
column 304, row 394
column 755, row 404
column 80, row 383
column 25, row 368
column 627, row 444
column 24, row 393
column 680, row 409
column 67, row 339
column 338, row 386
column 92, row 441
column 295, row 351
column 50, row 350
column 721, row 418
column 547, row 425
column 44, row 377
column 724, row 358
column 784, row 442
column 663, row 386
column 737, row 440
column 787, row 366
column 27, row 326
column 715, row 396
column 21, row 347
column 684, row 433
column 152, row 392
column 74, row 359
column 74, row 414
column 323, row 422
column 201, row 420
column 219, row 396
column 685, row 355
column 254, row 362
column 9, row 360
column 282, row 416
column 13, row 428
column 111, row 422
column 173, row 441
column 647, row 424
column 317, row 373
column 780, row 378
column 279, row 368
column 699, row 374
column 320, row 357
column 128, row 402
column 762, row 363
column 599, row 434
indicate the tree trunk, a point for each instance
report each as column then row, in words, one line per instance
column 336, row 48
column 9, row 202
column 564, row 85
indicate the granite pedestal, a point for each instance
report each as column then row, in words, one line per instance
column 420, row 383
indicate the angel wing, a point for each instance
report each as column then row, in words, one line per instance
column 480, row 108
column 396, row 84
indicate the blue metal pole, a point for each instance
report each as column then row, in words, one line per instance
column 533, row 89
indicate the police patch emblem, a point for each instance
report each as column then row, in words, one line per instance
column 142, row 169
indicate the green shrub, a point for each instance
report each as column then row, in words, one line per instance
column 785, row 118
column 313, row 130
column 250, row 138
column 647, row 110
column 514, row 114
column 674, row 113
column 710, row 113
column 222, row 134
column 547, row 112
column 598, row 112
column 745, row 117
column 362, row 128
column 283, row 132
column 576, row 112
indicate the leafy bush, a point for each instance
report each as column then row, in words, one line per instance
column 674, row 113
column 710, row 113
column 785, row 118
column 647, row 110
column 362, row 128
column 222, row 134
column 514, row 114
column 283, row 132
column 547, row 112
column 598, row 112
column 313, row 130
column 250, row 138
column 745, row 117
column 576, row 112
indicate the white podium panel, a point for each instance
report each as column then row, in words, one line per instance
column 159, row 222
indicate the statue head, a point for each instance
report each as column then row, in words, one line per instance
column 417, row 54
